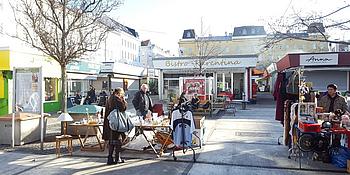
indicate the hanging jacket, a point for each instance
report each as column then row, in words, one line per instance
column 183, row 128
column 278, row 97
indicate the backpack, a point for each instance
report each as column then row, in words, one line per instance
column 119, row 121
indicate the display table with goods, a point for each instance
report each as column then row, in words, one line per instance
column 83, row 114
column 163, row 133
column 323, row 135
column 308, row 130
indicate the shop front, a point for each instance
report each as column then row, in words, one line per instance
column 311, row 124
column 320, row 68
column 80, row 75
column 23, row 59
column 230, row 74
column 5, row 77
column 114, row 75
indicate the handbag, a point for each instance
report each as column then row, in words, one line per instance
column 119, row 121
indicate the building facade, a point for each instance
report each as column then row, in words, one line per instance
column 120, row 60
column 253, row 40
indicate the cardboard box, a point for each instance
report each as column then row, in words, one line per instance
column 199, row 121
column 200, row 140
column 348, row 166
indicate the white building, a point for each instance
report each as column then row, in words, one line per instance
column 149, row 52
column 120, row 60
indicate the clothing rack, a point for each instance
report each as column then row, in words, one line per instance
column 183, row 108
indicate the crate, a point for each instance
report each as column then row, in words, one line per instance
column 309, row 127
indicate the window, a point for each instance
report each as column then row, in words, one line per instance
column 188, row 34
column 105, row 85
column 50, row 89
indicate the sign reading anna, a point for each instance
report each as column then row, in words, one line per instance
column 319, row 59
column 177, row 63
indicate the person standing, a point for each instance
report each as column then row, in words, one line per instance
column 142, row 102
column 115, row 139
column 91, row 95
column 333, row 101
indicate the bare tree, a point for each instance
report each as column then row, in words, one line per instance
column 65, row 30
column 206, row 49
column 287, row 27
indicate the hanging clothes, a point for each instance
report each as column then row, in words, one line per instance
column 278, row 96
column 287, row 128
column 292, row 86
column 183, row 126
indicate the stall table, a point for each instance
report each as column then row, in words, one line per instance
column 140, row 129
column 97, row 133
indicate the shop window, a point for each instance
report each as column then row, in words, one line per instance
column 174, row 83
column 50, row 89
column 76, row 87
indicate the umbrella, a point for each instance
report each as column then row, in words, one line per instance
column 82, row 109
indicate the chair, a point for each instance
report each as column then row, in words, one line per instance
column 62, row 138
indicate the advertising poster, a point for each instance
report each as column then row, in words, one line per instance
column 194, row 86
column 27, row 91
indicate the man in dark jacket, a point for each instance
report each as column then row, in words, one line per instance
column 332, row 101
column 142, row 101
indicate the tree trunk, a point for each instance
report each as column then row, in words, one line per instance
column 64, row 89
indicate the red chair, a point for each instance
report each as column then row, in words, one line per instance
column 158, row 108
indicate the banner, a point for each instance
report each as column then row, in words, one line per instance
column 194, row 86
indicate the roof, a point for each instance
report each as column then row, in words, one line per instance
column 249, row 30
column 114, row 25
column 145, row 43
column 189, row 34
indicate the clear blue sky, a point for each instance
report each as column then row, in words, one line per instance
column 163, row 21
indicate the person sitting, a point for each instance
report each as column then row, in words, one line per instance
column 182, row 98
column 77, row 98
column 195, row 101
column 205, row 106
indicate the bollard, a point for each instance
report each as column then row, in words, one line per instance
column 244, row 103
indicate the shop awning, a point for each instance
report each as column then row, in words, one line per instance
column 76, row 76
column 256, row 71
column 314, row 60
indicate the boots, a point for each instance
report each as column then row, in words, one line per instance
column 118, row 158
column 110, row 155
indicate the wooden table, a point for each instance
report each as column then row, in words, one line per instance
column 96, row 132
column 139, row 129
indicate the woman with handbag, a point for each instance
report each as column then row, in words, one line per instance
column 115, row 101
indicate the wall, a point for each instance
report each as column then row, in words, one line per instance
column 4, row 100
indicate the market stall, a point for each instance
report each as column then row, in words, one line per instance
column 309, row 125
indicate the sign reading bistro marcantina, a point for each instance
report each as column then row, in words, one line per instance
column 212, row 63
